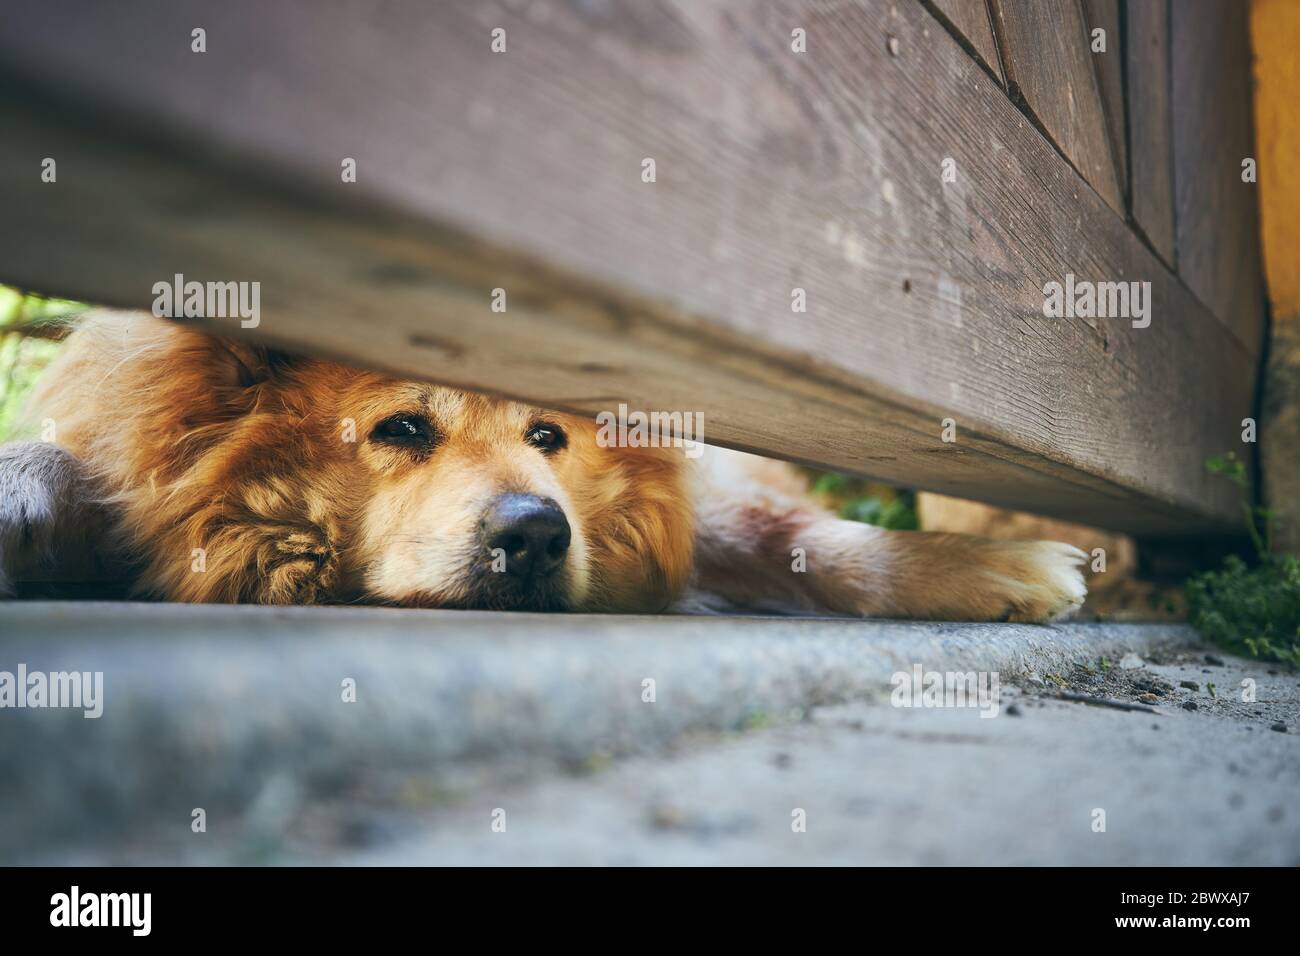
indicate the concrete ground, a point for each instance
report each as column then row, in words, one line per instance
column 885, row 786
column 523, row 739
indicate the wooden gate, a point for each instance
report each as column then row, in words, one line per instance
column 658, row 187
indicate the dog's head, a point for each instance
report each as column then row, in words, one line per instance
column 401, row 491
column 477, row 502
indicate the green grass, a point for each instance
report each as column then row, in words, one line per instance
column 24, row 355
column 1249, row 608
column 867, row 501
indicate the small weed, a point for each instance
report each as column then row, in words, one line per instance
column 1245, row 608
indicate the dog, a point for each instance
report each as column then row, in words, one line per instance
column 182, row 466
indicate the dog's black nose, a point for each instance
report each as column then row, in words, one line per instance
column 531, row 532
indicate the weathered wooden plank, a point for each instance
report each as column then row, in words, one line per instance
column 970, row 18
column 522, row 171
column 1150, row 128
column 1107, row 54
column 1045, row 52
column 1215, row 213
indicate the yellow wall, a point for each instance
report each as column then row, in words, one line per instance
column 1275, row 36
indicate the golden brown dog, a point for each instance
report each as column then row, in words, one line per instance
column 199, row 469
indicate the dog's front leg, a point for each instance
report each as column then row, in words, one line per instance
column 766, row 549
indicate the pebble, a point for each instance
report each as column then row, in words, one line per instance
column 1279, row 727
column 1189, row 684
column 1131, row 661
column 667, row 816
column 362, row 831
column 1190, row 705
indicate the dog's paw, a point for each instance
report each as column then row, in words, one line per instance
column 298, row 566
column 41, row 511
column 1036, row 581
column 28, row 520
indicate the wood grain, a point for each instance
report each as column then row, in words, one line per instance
column 1109, row 67
column 522, row 171
column 970, row 18
column 1045, row 51
column 1216, row 214
column 1151, row 151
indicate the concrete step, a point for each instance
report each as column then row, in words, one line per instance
column 241, row 711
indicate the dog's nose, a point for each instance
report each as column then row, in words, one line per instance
column 531, row 531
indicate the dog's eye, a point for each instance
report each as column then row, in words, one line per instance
column 547, row 437
column 412, row 431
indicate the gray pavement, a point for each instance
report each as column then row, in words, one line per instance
column 886, row 786
column 514, row 738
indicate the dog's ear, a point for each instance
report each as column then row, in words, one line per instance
column 253, row 364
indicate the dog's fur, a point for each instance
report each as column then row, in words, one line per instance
column 200, row 469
